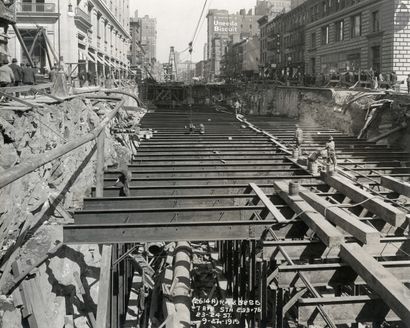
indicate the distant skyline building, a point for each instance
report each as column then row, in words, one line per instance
column 223, row 28
column 143, row 50
column 272, row 7
column 295, row 3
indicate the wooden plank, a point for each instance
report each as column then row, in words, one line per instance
column 401, row 187
column 266, row 201
column 344, row 310
column 308, row 249
column 333, row 274
column 23, row 273
column 68, row 321
column 27, row 311
column 347, row 221
column 84, row 297
column 26, row 88
column 99, row 168
column 133, row 232
column 327, row 233
column 104, row 289
column 374, row 204
column 394, row 293
column 38, row 303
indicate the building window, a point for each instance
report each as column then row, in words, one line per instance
column 339, row 30
column 313, row 43
column 376, row 21
column 356, row 26
column 325, row 35
column 375, row 53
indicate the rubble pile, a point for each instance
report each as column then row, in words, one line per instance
column 33, row 208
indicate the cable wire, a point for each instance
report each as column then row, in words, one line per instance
column 199, row 21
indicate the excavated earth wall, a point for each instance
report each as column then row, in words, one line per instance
column 331, row 108
column 33, row 208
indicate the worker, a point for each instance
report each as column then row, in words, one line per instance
column 237, row 106
column 201, row 128
column 124, row 179
column 17, row 71
column 53, row 73
column 331, row 152
column 6, row 74
column 298, row 139
column 191, row 128
column 29, row 75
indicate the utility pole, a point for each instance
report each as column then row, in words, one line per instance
column 172, row 65
column 59, row 35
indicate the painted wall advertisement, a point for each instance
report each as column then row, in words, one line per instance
column 226, row 24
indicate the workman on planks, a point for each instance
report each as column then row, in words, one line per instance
column 237, row 106
column 298, row 138
column 6, row 74
column 29, row 75
column 201, row 128
column 331, row 152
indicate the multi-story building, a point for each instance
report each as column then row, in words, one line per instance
column 200, row 70
column 148, row 35
column 186, row 71
column 269, row 40
column 327, row 37
column 272, row 7
column 143, row 45
column 7, row 17
column 356, row 35
column 223, row 28
column 295, row 3
column 93, row 34
column 241, row 60
column 282, row 43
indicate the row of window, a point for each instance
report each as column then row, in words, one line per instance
column 355, row 29
column 328, row 7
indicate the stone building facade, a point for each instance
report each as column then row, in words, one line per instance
column 336, row 36
column 90, row 35
column 143, row 50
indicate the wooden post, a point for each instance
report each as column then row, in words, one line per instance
column 99, row 174
column 229, row 271
column 114, row 289
column 121, row 291
column 104, row 288
column 252, row 278
column 16, row 30
column 236, row 257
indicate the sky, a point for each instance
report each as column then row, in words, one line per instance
column 177, row 20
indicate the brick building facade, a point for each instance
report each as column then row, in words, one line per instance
column 283, row 42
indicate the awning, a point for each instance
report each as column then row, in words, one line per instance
column 100, row 59
column 91, row 57
column 106, row 62
column 82, row 54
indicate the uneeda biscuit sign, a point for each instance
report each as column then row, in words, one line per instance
column 225, row 24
